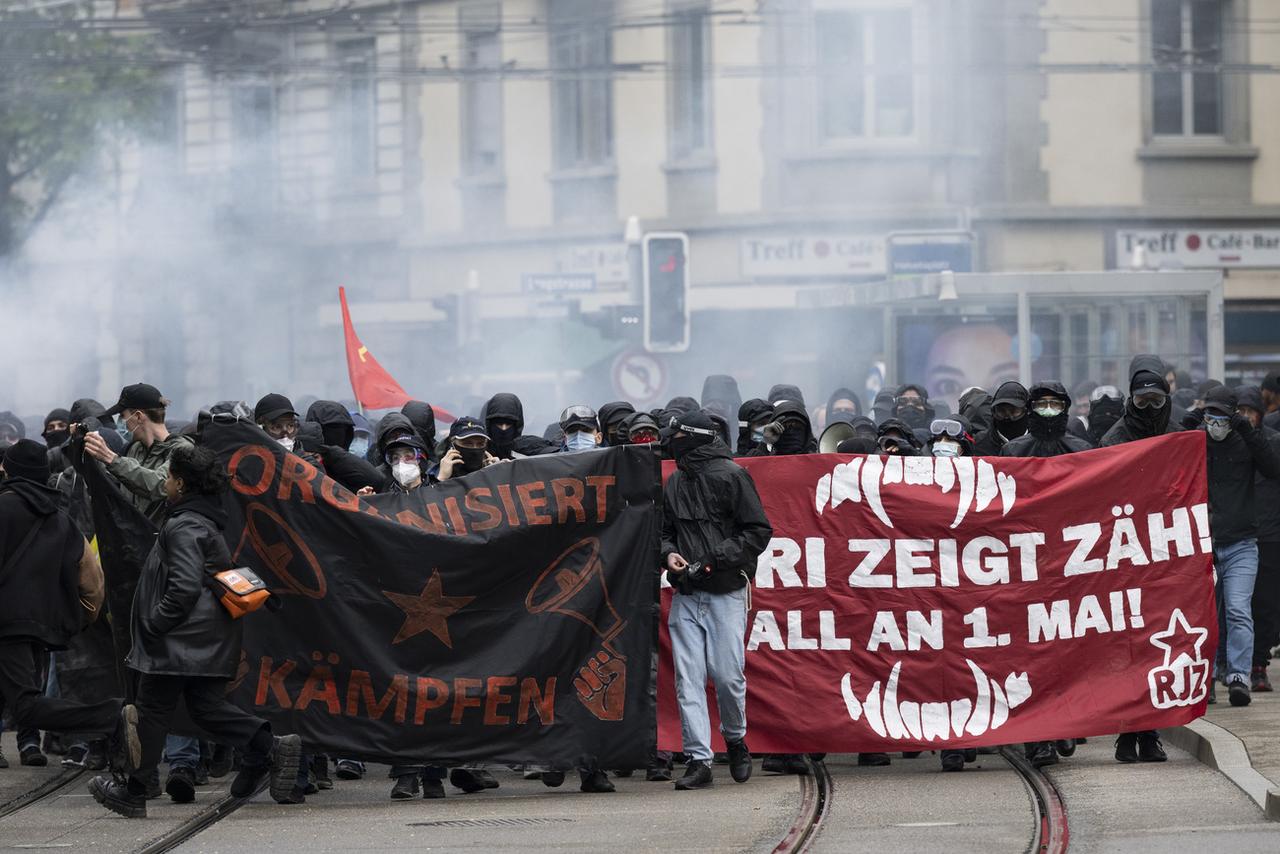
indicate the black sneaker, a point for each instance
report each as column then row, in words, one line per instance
column 490, row 781
column 1127, row 747
column 790, row 763
column 181, row 785
column 466, row 780
column 739, row 761
column 29, row 754
column 432, row 789
column 248, row 779
column 348, row 769
column 658, row 774
column 115, row 796
column 552, row 779
column 953, row 760
column 406, row 788
column 1150, row 749
column 873, row 760
column 696, row 776
column 1237, row 691
column 1065, row 746
column 77, row 757
column 286, row 755
column 596, row 783
column 1042, row 755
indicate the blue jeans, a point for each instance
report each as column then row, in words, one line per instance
column 1237, row 567
column 708, row 637
column 181, row 751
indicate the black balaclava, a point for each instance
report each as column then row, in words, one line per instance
column 611, row 417
column 503, row 407
column 882, row 406
column 1103, row 414
column 1054, row 427
column 682, row 446
column 916, row 419
column 797, row 435
column 1010, row 392
column 1146, row 372
column 54, row 438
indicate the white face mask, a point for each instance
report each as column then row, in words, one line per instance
column 1045, row 412
column 286, row 443
column 406, row 473
column 1218, row 430
column 943, row 448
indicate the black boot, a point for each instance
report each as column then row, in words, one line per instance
column 739, row 761
column 552, row 779
column 873, row 760
column 466, row 780
column 181, row 785
column 220, row 761
column 1043, row 754
column 1127, row 747
column 406, row 787
column 286, row 757
column 595, row 782
column 953, row 760
column 115, row 796
column 1150, row 749
column 432, row 788
column 970, row 755
column 696, row 776
column 1065, row 746
column 320, row 769
column 490, row 782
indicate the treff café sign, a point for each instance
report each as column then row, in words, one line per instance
column 1200, row 248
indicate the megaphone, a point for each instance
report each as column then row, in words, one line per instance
column 836, row 432
column 573, row 586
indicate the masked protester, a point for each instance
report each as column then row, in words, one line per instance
column 911, row 406
column 466, row 450
column 56, row 428
column 713, row 530
column 788, row 433
column 1009, row 418
column 1106, row 406
column 642, row 429
column 1237, row 454
column 503, row 417
column 753, row 415
column 581, row 428
column 975, row 407
column 950, row 437
column 897, row 439
column 785, row 391
column 423, row 418
column 611, row 416
column 1046, row 436
column 882, row 406
column 362, row 435
column 335, row 422
column 841, row 405
column 186, row 646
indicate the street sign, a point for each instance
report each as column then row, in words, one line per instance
column 639, row 377
column 558, row 283
column 913, row 253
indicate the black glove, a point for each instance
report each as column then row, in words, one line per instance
column 1241, row 425
column 1193, row 419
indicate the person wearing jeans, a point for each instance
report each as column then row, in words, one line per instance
column 713, row 530
column 1237, row 568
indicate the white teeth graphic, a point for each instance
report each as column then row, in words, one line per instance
column 938, row 720
column 860, row 480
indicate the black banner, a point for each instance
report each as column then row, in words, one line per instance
column 508, row 616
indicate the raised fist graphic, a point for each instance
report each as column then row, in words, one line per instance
column 602, row 686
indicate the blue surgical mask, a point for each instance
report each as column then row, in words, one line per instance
column 757, row 436
column 360, row 446
column 580, row 440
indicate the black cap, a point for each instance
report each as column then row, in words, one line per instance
column 1011, row 392
column 29, row 459
column 466, row 426
column 271, row 407
column 138, row 396
column 407, row 442
column 1146, row 381
column 580, row 417
column 697, row 423
column 1220, row 399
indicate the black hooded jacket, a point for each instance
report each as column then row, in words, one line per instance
column 790, row 410
column 785, row 391
column 612, row 415
column 505, row 407
column 335, row 422
column 1233, row 465
column 39, row 588
column 749, row 412
column 1046, row 437
column 712, row 514
column 423, row 418
column 843, row 394
column 975, row 406
column 722, row 389
column 1137, row 423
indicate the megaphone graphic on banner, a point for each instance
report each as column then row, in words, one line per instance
column 573, row 586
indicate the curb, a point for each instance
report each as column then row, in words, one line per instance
column 1224, row 752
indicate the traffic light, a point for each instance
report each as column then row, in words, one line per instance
column 666, row 292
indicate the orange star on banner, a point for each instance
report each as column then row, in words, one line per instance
column 427, row 611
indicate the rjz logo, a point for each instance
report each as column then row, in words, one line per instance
column 1183, row 678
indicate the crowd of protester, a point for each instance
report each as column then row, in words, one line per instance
column 57, row 665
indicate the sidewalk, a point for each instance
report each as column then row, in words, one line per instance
column 1242, row 743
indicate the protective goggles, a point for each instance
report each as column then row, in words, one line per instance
column 1108, row 391
column 696, row 431
column 946, row 427
column 1051, row 403
column 1216, row 418
column 577, row 411
column 1151, row 398
column 402, row 453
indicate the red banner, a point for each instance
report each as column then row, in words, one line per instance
column 917, row 603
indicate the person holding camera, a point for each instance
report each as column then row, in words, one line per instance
column 713, row 530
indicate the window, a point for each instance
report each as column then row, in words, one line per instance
column 689, row 73
column 865, row 80
column 581, row 58
column 1187, row 87
column 355, row 113
column 252, row 120
column 482, row 96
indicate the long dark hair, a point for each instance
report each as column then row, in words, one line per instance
column 199, row 469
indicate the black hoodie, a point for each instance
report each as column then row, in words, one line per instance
column 749, row 412
column 975, row 406
column 844, row 394
column 335, row 423
column 722, row 389
column 1138, row 423
column 785, row 391
column 506, row 407
column 423, row 418
column 805, row 443
column 611, row 416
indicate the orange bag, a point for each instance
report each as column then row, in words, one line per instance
column 240, row 591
